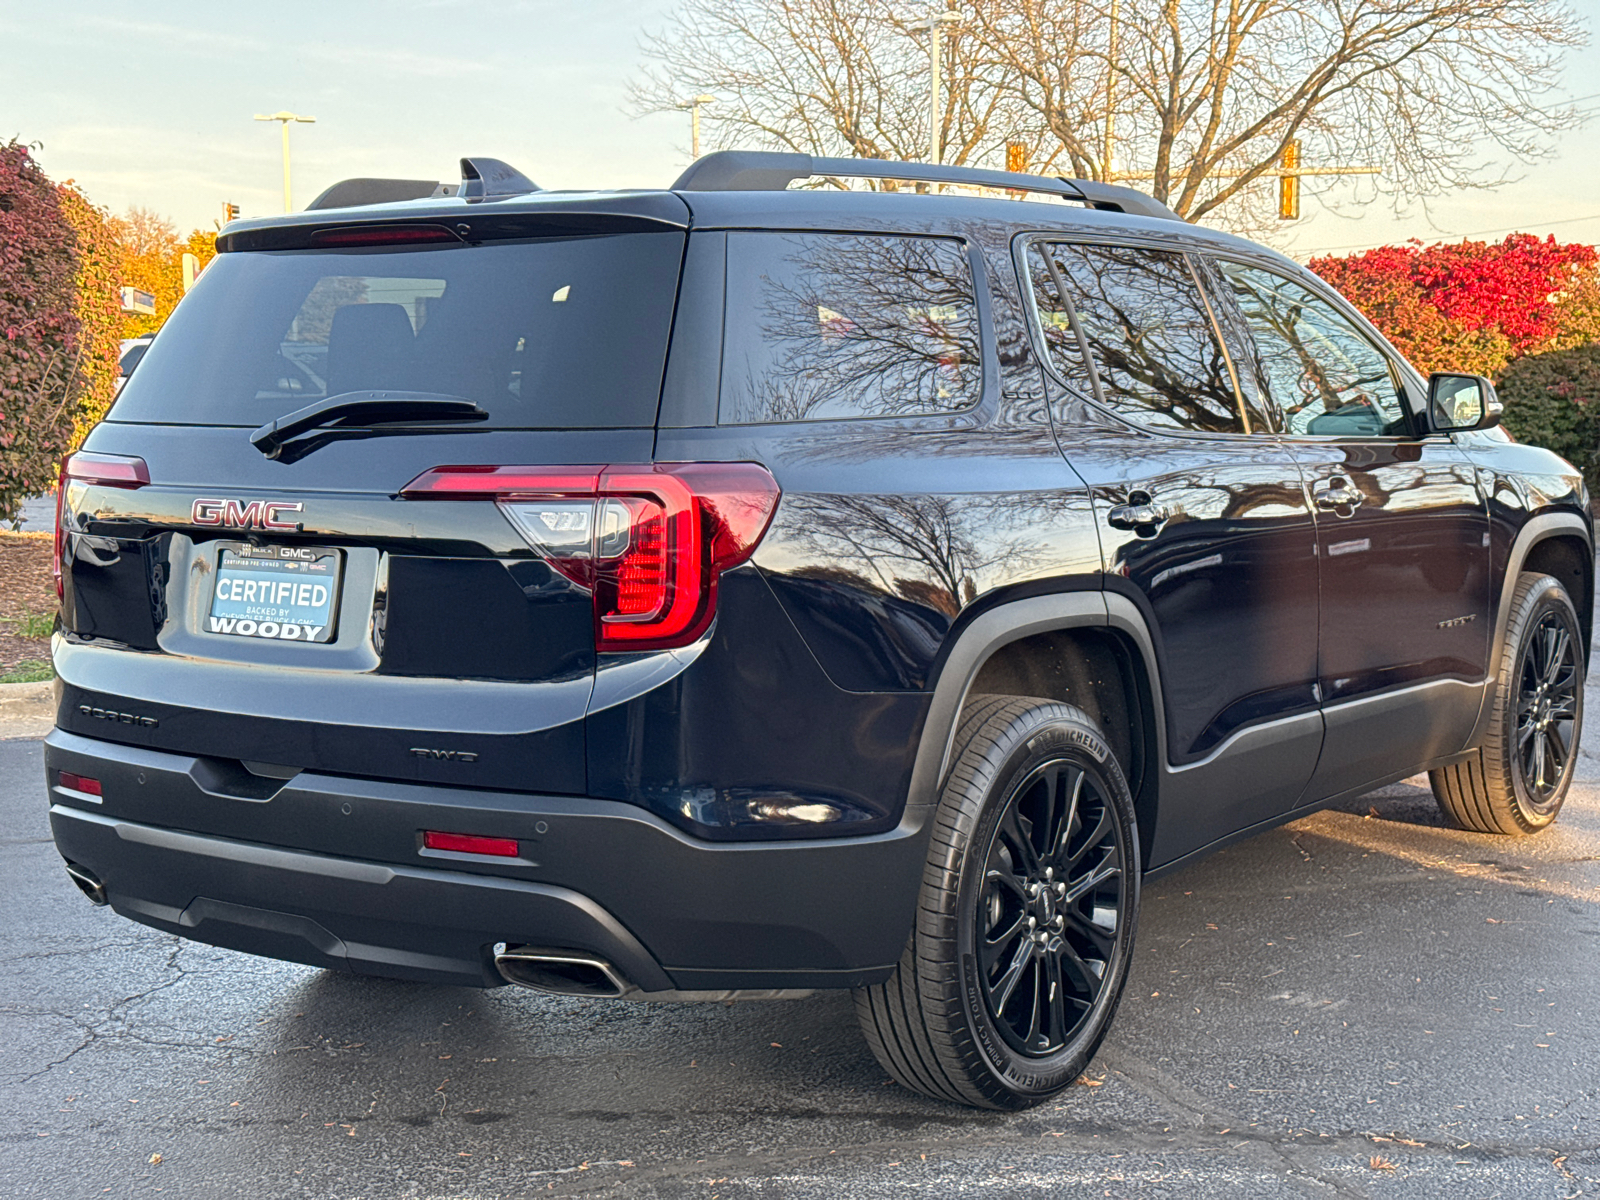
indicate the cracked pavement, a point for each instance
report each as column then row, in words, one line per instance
column 1363, row 1003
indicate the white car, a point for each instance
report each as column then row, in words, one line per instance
column 132, row 351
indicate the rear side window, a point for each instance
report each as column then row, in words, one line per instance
column 823, row 326
column 1146, row 328
column 555, row 333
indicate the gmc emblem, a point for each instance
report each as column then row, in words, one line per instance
column 257, row 514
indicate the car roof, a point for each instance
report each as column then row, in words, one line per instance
column 735, row 194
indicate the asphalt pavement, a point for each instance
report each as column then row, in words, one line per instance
column 1363, row 1003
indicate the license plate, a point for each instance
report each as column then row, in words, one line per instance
column 282, row 593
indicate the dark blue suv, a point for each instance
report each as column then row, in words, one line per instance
column 736, row 590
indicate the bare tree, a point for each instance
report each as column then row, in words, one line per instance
column 827, row 77
column 1207, row 93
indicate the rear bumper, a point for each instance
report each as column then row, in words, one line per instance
column 330, row 871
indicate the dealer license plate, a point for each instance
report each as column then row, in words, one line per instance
column 283, row 593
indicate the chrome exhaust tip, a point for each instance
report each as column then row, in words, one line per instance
column 88, row 883
column 560, row 972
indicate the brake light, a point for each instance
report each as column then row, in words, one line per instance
column 383, row 235
column 104, row 470
column 648, row 542
column 468, row 843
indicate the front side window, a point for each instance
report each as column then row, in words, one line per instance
column 1146, row 328
column 825, row 326
column 1321, row 373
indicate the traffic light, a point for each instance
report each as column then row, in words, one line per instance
column 1017, row 157
column 1289, row 184
column 230, row 212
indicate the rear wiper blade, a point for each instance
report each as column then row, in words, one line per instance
column 364, row 408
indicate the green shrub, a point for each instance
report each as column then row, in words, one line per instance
column 1553, row 400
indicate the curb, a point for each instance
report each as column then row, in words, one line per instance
column 27, row 710
column 26, row 693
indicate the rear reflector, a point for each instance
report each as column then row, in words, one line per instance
column 467, row 843
column 102, row 470
column 383, row 235
column 649, row 542
column 79, row 783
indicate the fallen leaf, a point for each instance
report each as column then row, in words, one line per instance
column 155, row 1158
column 1380, row 1164
column 776, row 1045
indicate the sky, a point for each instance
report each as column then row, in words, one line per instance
column 152, row 105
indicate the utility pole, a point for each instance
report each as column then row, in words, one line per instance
column 1107, row 174
column 693, row 105
column 284, row 118
column 934, row 26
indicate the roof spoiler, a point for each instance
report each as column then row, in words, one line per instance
column 764, row 171
column 481, row 179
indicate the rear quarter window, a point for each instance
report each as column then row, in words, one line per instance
column 824, row 326
column 546, row 334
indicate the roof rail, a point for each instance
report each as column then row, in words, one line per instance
column 765, row 171
column 354, row 193
column 481, row 179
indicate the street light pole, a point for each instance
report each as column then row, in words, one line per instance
column 693, row 105
column 933, row 26
column 284, row 118
column 1106, row 173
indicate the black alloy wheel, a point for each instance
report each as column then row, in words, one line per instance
column 1547, row 711
column 1049, row 908
column 1516, row 780
column 1026, row 916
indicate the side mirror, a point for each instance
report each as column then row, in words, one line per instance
column 1458, row 402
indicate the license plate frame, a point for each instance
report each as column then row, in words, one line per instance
column 278, row 599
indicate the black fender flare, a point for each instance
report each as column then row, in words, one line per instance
column 988, row 633
column 1538, row 528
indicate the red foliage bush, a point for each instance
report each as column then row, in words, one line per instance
column 1474, row 306
column 40, row 357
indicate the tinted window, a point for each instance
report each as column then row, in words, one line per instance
column 1322, row 373
column 827, row 326
column 559, row 333
column 1147, row 330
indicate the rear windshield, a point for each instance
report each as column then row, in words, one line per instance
column 549, row 334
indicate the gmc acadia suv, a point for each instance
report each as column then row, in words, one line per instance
column 734, row 591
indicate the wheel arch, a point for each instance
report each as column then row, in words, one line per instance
column 1556, row 543
column 1559, row 544
column 1569, row 558
column 1089, row 649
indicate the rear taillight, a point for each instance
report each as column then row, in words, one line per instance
column 105, row 470
column 649, row 542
